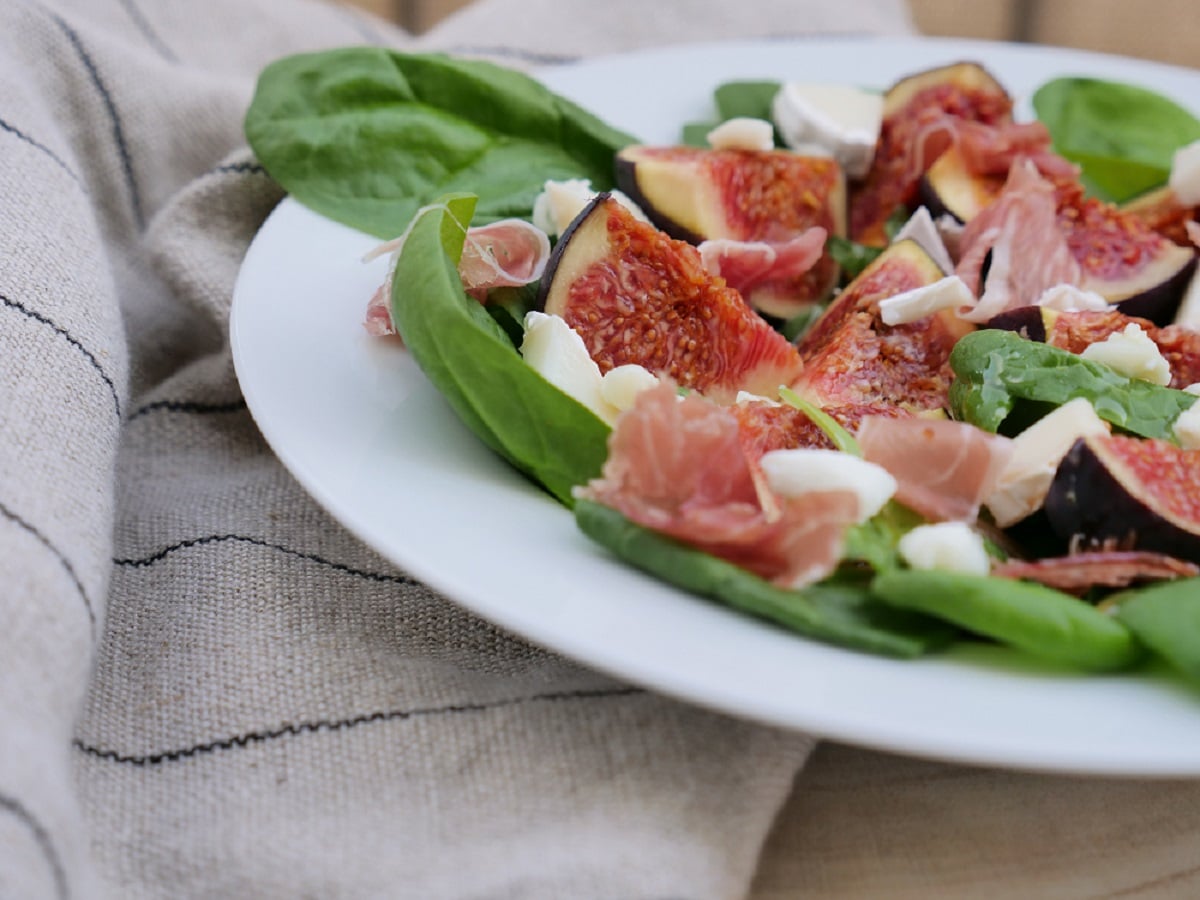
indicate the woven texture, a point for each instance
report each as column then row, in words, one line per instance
column 207, row 687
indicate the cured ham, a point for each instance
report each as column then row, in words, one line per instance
column 1028, row 251
column 507, row 253
column 679, row 466
column 747, row 265
column 992, row 149
column 944, row 469
column 1080, row 572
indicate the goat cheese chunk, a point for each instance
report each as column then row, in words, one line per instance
column 1132, row 353
column 1187, row 425
column 556, row 352
column 1184, row 180
column 743, row 133
column 560, row 202
column 950, row 292
column 842, row 120
column 793, row 473
column 948, row 546
column 1036, row 452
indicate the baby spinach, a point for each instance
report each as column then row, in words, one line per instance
column 734, row 99
column 1122, row 136
column 366, row 136
column 836, row 611
column 1031, row 617
column 999, row 373
column 471, row 360
column 1166, row 618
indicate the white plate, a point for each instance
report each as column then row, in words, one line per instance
column 366, row 434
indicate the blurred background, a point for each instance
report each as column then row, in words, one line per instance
column 1163, row 30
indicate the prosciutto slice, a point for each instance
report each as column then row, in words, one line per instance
column 507, row 253
column 944, row 469
column 992, row 149
column 679, row 466
column 1105, row 568
column 1029, row 252
column 745, row 265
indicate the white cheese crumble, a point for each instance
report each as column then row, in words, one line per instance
column 921, row 228
column 792, row 473
column 557, row 353
column 560, row 202
column 1132, row 353
column 1036, row 452
column 742, row 133
column 1188, row 314
column 620, row 386
column 1187, row 425
column 1184, row 180
column 1070, row 298
column 949, row 546
column 950, row 292
column 841, row 119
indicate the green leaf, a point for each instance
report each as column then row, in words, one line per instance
column 366, row 136
column 749, row 99
column 1030, row 617
column 471, row 360
column 833, row 429
column 1166, row 618
column 838, row 612
column 1122, row 136
column 851, row 256
column 1001, row 374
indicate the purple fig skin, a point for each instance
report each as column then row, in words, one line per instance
column 1159, row 301
column 560, row 246
column 1088, row 502
column 1026, row 321
column 626, row 173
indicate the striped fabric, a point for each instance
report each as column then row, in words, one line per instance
column 207, row 687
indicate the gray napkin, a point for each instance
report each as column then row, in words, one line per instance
column 207, row 687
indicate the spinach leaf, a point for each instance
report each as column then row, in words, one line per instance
column 838, row 612
column 1000, row 373
column 366, row 136
column 1166, row 618
column 852, row 257
column 1122, row 136
column 469, row 358
column 734, row 99
column 1031, row 617
column 750, row 99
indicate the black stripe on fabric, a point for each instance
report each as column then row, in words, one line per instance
column 70, row 339
column 143, row 25
column 533, row 57
column 246, row 168
column 135, row 199
column 18, row 810
column 20, row 135
column 335, row 725
column 187, row 406
column 162, row 554
column 59, row 555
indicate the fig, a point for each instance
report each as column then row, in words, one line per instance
column 1128, row 493
column 1163, row 212
column 636, row 295
column 695, row 195
column 1121, row 257
column 852, row 358
column 910, row 139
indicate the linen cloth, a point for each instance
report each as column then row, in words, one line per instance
column 207, row 687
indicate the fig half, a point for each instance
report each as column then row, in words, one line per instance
column 637, row 296
column 1128, row 493
column 772, row 196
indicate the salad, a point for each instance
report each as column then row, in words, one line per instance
column 868, row 599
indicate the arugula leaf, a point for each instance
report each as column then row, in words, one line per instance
column 836, row 611
column 470, row 359
column 834, row 430
column 366, row 136
column 1000, row 373
column 1122, row 136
